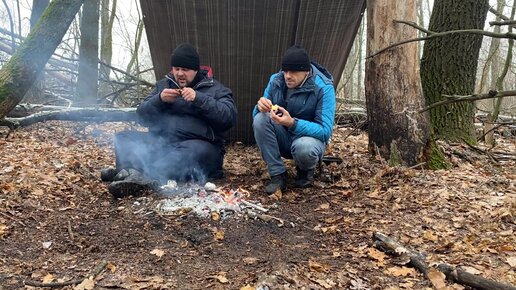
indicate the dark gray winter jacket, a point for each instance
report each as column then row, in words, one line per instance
column 211, row 113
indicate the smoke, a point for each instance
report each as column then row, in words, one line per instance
column 159, row 159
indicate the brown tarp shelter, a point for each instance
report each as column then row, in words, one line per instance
column 243, row 40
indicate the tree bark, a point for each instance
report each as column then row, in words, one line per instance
column 106, row 27
column 392, row 85
column 449, row 65
column 19, row 73
column 36, row 92
column 87, row 82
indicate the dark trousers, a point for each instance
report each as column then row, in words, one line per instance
column 157, row 158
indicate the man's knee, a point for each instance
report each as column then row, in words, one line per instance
column 307, row 151
column 260, row 121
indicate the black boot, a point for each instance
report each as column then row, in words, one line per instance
column 131, row 182
column 108, row 174
column 304, row 178
column 277, row 181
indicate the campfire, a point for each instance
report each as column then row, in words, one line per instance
column 204, row 201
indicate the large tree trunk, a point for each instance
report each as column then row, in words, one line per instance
column 36, row 93
column 449, row 66
column 392, row 85
column 19, row 73
column 87, row 82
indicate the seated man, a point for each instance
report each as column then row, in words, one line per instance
column 294, row 118
column 187, row 114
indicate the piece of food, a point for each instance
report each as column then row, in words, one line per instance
column 275, row 108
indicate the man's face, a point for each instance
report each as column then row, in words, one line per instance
column 294, row 78
column 183, row 76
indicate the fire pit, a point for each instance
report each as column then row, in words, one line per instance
column 204, row 201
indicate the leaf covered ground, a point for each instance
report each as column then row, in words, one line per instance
column 58, row 221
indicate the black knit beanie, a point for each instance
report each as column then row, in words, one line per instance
column 185, row 56
column 296, row 59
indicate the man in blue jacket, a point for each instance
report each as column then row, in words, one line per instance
column 187, row 115
column 294, row 118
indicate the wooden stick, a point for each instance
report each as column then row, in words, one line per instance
column 417, row 260
column 468, row 279
column 387, row 244
column 98, row 269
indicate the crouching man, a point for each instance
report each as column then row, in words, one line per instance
column 294, row 118
column 187, row 114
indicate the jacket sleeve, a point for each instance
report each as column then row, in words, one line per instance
column 266, row 94
column 151, row 109
column 217, row 107
column 322, row 126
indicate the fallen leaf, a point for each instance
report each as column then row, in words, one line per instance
column 376, row 254
column 158, row 252
column 317, row 267
column 429, row 236
column 215, row 216
column 400, row 271
column 249, row 260
column 221, row 277
column 48, row 278
column 470, row 270
column 437, row 279
column 219, row 235
column 111, row 267
column 247, row 287
column 86, row 284
column 323, row 206
column 325, row 284
column 277, row 195
column 3, row 230
column 512, row 261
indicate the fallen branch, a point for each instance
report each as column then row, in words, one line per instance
column 417, row 260
column 468, row 279
column 391, row 246
column 469, row 98
column 98, row 269
column 74, row 114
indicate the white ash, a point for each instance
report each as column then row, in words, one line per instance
column 200, row 200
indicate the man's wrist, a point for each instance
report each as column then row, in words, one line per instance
column 294, row 124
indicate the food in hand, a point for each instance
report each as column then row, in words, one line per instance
column 274, row 109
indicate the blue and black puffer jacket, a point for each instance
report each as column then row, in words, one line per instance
column 212, row 113
column 313, row 104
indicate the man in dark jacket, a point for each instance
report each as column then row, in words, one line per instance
column 294, row 118
column 187, row 114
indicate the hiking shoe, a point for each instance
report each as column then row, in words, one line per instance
column 304, row 178
column 108, row 174
column 277, row 182
column 134, row 183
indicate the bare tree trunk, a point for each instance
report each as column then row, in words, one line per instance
column 392, row 85
column 11, row 24
column 18, row 74
column 36, row 92
column 134, row 56
column 106, row 28
column 449, row 66
column 87, row 82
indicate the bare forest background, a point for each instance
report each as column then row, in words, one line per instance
column 126, row 67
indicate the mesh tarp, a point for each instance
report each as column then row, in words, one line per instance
column 243, row 40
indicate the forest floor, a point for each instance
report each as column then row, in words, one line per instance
column 58, row 222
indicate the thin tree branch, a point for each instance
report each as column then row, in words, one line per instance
column 499, row 14
column 470, row 98
column 500, row 23
column 432, row 34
